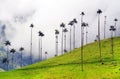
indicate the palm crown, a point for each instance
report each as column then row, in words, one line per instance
column 82, row 13
column 7, row 43
column 115, row 19
column 99, row 11
column 56, row 32
column 62, row 25
column 21, row 49
column 112, row 28
column 75, row 21
column 65, row 30
column 41, row 34
column 84, row 24
column 12, row 51
column 71, row 23
column 31, row 25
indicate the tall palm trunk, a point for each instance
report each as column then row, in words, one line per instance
column 21, row 60
column 105, row 28
column 99, row 37
column 73, row 36
column 65, row 42
column 116, row 28
column 56, row 47
column 41, row 49
column 62, row 43
column 82, row 43
column 12, row 60
column 45, row 56
column 7, row 58
column 112, row 51
column 31, row 48
column 70, row 40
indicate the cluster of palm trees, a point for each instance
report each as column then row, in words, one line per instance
column 83, row 26
column 13, row 51
column 6, row 60
column 64, row 37
column 64, row 31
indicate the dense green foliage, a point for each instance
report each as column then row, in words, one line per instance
column 68, row 66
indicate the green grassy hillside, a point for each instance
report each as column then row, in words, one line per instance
column 68, row 66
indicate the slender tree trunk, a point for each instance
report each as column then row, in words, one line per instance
column 112, row 49
column 7, row 58
column 21, row 60
column 41, row 48
column 12, row 61
column 62, row 43
column 45, row 56
column 73, row 36
column 116, row 29
column 82, row 44
column 70, row 39
column 65, row 42
column 86, row 35
column 31, row 48
column 105, row 28
column 99, row 37
column 56, row 45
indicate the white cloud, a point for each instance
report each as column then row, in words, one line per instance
column 47, row 15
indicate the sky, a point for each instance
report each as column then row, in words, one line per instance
column 47, row 15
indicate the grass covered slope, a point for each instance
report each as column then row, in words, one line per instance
column 68, row 66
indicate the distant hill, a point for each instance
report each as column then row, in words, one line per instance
column 1, row 70
column 68, row 66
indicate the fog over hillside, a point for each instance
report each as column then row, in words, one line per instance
column 47, row 15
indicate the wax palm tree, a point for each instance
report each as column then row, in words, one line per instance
column 40, row 44
column 31, row 26
column 105, row 27
column 56, row 46
column 82, row 42
column 82, row 38
column 71, row 24
column 62, row 26
column 65, row 31
column 99, row 13
column 112, row 29
column 7, row 44
column 74, row 22
column 115, row 25
column 46, row 55
column 12, row 51
column 21, row 50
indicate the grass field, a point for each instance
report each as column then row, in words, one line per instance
column 68, row 66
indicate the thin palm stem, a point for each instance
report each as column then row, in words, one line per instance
column 70, row 40
column 31, row 48
column 41, row 48
column 21, row 59
column 65, row 42
column 99, row 37
column 82, row 43
column 62, row 43
column 74, row 36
